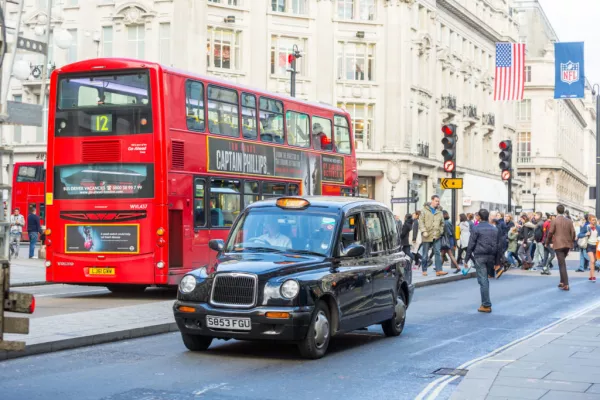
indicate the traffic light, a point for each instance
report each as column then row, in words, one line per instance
column 449, row 152
column 506, row 159
column 415, row 196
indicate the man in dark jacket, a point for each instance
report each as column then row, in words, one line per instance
column 34, row 228
column 484, row 249
column 405, row 235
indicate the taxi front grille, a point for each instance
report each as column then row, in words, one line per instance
column 234, row 290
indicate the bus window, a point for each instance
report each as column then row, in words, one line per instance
column 273, row 189
column 194, row 104
column 27, row 173
column 249, row 116
column 199, row 209
column 271, row 120
column 298, row 130
column 251, row 192
column 321, row 134
column 42, row 211
column 224, row 202
column 342, row 135
column 294, row 189
column 223, row 111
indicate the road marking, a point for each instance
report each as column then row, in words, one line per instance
column 435, row 388
column 64, row 293
column 208, row 388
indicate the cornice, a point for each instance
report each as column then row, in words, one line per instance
column 576, row 112
column 474, row 22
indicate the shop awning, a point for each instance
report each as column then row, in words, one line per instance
column 487, row 190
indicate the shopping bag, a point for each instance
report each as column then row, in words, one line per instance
column 42, row 252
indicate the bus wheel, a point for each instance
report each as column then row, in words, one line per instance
column 123, row 289
column 196, row 342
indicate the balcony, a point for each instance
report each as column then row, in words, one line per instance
column 449, row 103
column 470, row 114
column 524, row 160
column 34, row 82
column 488, row 121
column 423, row 149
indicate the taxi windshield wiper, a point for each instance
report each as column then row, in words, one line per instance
column 308, row 252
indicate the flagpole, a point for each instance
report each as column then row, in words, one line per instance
column 596, row 92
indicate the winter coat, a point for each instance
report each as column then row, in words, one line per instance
column 431, row 223
column 484, row 243
column 512, row 242
column 405, row 235
column 465, row 234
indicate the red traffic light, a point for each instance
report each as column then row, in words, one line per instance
column 290, row 58
column 505, row 144
column 447, row 130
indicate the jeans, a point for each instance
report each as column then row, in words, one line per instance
column 482, row 265
column 406, row 250
column 549, row 255
column 33, row 237
column 437, row 245
column 539, row 253
column 524, row 254
column 583, row 259
column 511, row 257
column 561, row 255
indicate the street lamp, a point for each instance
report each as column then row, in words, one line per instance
column 596, row 92
column 534, row 192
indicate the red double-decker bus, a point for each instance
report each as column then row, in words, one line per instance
column 146, row 164
column 28, row 190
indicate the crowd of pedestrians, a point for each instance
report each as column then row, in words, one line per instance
column 494, row 242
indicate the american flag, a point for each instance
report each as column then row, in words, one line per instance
column 510, row 71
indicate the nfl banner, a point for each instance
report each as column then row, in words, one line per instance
column 569, row 71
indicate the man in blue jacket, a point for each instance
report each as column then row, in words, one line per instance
column 34, row 227
column 485, row 249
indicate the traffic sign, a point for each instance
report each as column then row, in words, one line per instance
column 452, row 183
column 402, row 200
column 449, row 166
column 518, row 209
column 505, row 175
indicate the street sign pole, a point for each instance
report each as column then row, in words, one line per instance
column 510, row 193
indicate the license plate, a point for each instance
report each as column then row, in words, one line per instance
column 102, row 271
column 231, row 324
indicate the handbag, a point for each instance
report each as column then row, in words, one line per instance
column 583, row 242
column 444, row 242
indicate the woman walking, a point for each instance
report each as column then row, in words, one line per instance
column 513, row 245
column 465, row 235
column 448, row 242
column 592, row 242
column 405, row 235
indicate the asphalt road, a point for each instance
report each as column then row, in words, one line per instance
column 443, row 330
column 67, row 299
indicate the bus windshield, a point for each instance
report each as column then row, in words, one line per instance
column 104, row 181
column 103, row 104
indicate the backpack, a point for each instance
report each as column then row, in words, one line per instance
column 538, row 234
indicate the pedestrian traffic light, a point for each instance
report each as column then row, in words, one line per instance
column 449, row 152
column 506, row 159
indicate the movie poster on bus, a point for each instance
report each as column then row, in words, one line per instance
column 112, row 239
column 312, row 181
column 237, row 157
column 333, row 169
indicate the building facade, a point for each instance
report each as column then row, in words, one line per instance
column 556, row 139
column 402, row 68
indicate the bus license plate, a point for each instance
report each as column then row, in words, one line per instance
column 102, row 271
column 232, row 324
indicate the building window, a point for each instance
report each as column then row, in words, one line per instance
column 524, row 110
column 281, row 49
column 72, row 52
column 366, row 187
column 136, row 38
column 223, row 49
column 356, row 62
column 362, row 124
column 349, row 9
column 523, row 146
column 107, row 41
column 296, row 7
column 17, row 135
column 165, row 43
column 528, row 73
column 525, row 176
column 226, row 2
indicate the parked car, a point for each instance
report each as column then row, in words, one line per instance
column 299, row 269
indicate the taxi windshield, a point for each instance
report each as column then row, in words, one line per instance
column 278, row 230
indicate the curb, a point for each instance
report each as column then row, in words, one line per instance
column 26, row 284
column 84, row 341
column 124, row 334
column 446, row 279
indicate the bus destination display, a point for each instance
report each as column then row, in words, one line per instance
column 102, row 123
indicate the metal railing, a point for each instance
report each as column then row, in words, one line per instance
column 423, row 149
column 470, row 111
column 449, row 102
column 489, row 119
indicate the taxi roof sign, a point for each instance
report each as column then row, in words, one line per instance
column 292, row 202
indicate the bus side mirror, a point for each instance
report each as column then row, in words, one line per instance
column 216, row 244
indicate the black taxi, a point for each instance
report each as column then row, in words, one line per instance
column 299, row 269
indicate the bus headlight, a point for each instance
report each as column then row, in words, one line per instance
column 290, row 289
column 187, row 284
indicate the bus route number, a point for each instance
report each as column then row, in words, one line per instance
column 101, row 123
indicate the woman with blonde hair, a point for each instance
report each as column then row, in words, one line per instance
column 592, row 243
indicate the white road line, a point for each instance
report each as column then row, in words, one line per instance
column 435, row 387
column 64, row 293
column 208, row 388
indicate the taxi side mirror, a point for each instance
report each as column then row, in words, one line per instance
column 354, row 250
column 216, row 244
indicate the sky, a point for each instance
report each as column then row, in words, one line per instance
column 578, row 21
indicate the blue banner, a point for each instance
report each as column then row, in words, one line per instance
column 569, row 82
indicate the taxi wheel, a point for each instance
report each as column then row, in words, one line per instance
column 124, row 289
column 395, row 325
column 196, row 342
column 316, row 341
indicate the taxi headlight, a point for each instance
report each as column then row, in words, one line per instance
column 187, row 284
column 290, row 289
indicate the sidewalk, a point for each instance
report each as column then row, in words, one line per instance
column 562, row 362
column 25, row 271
